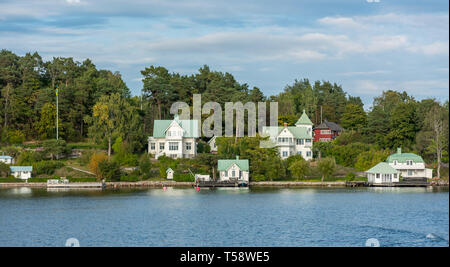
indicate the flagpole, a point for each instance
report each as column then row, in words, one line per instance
column 57, row 115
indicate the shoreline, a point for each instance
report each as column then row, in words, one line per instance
column 143, row 184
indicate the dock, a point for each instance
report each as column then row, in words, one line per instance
column 220, row 184
column 76, row 185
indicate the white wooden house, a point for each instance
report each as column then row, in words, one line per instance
column 293, row 140
column 174, row 138
column 410, row 165
column 234, row 169
column 7, row 159
column 21, row 172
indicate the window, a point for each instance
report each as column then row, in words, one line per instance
column 410, row 172
column 395, row 175
column 300, row 141
column 169, row 133
column 161, row 146
column 409, row 162
column 233, row 174
column 299, row 153
column 225, row 173
column 285, row 153
column 395, row 162
column 325, row 132
column 152, row 146
column 188, row 146
column 173, row 146
column 308, row 153
column 308, row 140
column 378, row 175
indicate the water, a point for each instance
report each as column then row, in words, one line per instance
column 233, row 217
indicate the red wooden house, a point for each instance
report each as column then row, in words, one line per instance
column 327, row 131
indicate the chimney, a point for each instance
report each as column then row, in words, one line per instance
column 399, row 150
column 285, row 124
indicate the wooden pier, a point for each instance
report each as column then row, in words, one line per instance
column 220, row 184
column 77, row 185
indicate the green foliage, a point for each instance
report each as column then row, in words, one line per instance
column 4, row 170
column 122, row 153
column 15, row 137
column 55, row 148
column 368, row 159
column 203, row 147
column 354, row 117
column 326, row 166
column 109, row 170
column 46, row 167
column 299, row 168
column 145, row 166
column 129, row 178
column 183, row 177
column 28, row 157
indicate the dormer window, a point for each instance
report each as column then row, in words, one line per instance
column 395, row 162
column 409, row 162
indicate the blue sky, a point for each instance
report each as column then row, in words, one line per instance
column 364, row 45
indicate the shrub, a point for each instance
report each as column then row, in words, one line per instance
column 46, row 167
column 350, row 176
column 109, row 170
column 258, row 177
column 96, row 158
column 129, row 178
column 183, row 177
column 326, row 166
column 29, row 157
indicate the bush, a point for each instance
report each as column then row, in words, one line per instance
column 46, row 167
column 29, row 157
column 129, row 178
column 96, row 158
column 258, row 178
column 109, row 170
column 350, row 176
column 86, row 156
column 183, row 177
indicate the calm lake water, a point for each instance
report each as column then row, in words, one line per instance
column 227, row 217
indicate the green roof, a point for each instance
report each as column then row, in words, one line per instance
column 189, row 126
column 297, row 132
column 304, row 120
column 403, row 157
column 382, row 168
column 225, row 164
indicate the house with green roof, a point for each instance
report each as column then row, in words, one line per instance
column 411, row 166
column 174, row 138
column 293, row 140
column 383, row 173
column 233, row 170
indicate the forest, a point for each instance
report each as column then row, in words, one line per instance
column 96, row 107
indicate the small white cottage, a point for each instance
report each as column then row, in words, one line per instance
column 212, row 144
column 7, row 159
column 234, row 169
column 169, row 173
column 21, row 172
column 383, row 173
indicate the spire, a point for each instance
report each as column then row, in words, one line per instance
column 304, row 119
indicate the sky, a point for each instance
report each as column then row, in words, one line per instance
column 366, row 46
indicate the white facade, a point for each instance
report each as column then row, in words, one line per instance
column 234, row 173
column 21, row 172
column 381, row 178
column 412, row 169
column 169, row 173
column 175, row 142
column 289, row 145
column 7, row 159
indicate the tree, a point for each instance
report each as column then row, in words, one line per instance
column 4, row 170
column 299, row 169
column 109, row 170
column 55, row 148
column 96, row 158
column 354, row 117
column 326, row 166
column 46, row 126
column 403, row 125
column 112, row 116
column 145, row 166
column 437, row 121
column 368, row 159
column 156, row 85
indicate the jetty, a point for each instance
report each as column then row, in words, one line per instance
column 220, row 184
column 56, row 183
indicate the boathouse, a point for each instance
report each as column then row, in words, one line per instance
column 236, row 170
column 383, row 173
